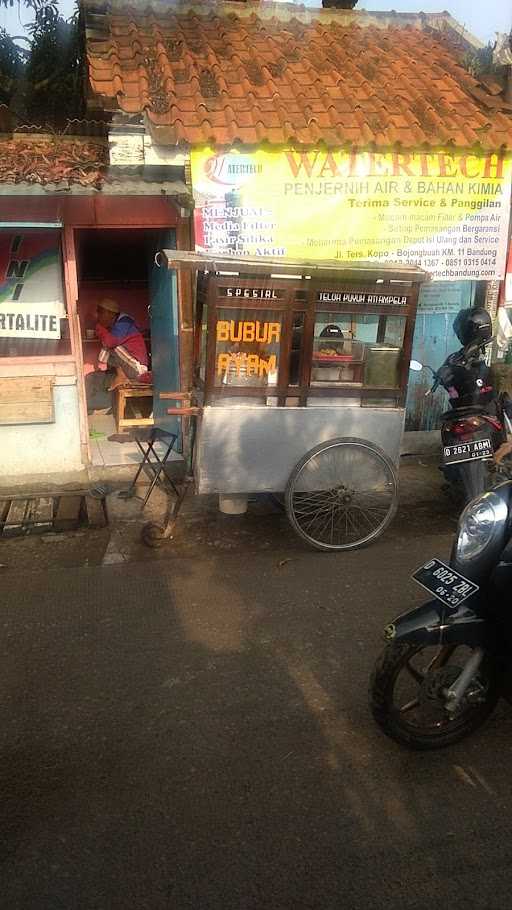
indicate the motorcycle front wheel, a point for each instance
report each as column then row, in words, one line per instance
column 407, row 695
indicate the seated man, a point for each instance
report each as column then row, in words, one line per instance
column 123, row 346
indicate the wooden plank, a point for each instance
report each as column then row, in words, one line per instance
column 136, row 393
column 68, row 513
column 350, row 271
column 135, row 422
column 95, row 512
column 26, row 399
column 49, row 368
column 39, row 515
column 126, row 394
column 4, row 509
column 28, row 521
column 15, row 518
column 184, row 241
column 211, row 336
column 71, row 285
column 43, row 513
column 26, row 388
column 13, row 414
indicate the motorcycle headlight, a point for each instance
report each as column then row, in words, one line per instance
column 477, row 525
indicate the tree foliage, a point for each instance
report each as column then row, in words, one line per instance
column 11, row 66
column 52, row 73
column 480, row 62
column 55, row 69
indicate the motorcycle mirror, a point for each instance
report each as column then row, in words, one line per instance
column 416, row 366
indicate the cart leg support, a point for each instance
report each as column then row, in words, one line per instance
column 155, row 535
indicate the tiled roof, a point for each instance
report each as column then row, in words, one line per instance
column 42, row 164
column 222, row 74
column 46, row 159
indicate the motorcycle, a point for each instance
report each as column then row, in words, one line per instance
column 447, row 662
column 477, row 423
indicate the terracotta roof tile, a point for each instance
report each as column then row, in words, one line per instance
column 222, row 77
column 56, row 160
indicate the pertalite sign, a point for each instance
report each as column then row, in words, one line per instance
column 31, row 295
column 443, row 211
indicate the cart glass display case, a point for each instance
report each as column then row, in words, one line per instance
column 360, row 350
column 302, row 338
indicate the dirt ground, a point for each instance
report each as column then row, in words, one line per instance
column 201, row 527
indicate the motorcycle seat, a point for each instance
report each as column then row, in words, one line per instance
column 467, row 411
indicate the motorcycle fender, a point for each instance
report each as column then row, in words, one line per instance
column 435, row 624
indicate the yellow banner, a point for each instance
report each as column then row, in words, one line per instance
column 443, row 211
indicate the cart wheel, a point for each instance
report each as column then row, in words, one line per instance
column 343, row 494
column 154, row 535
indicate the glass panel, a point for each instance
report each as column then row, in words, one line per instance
column 296, row 352
column 338, row 347
column 395, row 329
column 382, row 366
column 247, row 347
column 33, row 320
column 347, row 352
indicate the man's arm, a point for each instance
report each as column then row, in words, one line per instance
column 107, row 339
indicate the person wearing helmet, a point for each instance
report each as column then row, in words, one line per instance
column 473, row 326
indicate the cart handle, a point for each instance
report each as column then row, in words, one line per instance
column 184, row 412
column 176, row 396
column 187, row 411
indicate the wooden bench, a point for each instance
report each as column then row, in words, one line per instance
column 128, row 397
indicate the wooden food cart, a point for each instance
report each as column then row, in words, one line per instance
column 300, row 379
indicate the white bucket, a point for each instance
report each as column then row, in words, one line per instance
column 234, row 504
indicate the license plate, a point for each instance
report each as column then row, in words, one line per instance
column 444, row 583
column 467, row 451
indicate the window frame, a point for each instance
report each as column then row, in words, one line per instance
column 47, row 358
column 301, row 295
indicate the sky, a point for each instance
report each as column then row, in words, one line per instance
column 483, row 19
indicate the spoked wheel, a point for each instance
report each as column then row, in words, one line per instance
column 407, row 695
column 342, row 494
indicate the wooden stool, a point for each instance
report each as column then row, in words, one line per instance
column 130, row 393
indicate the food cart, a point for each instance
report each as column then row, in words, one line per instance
column 300, row 378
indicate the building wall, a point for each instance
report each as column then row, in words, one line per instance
column 434, row 339
column 63, row 446
column 46, row 448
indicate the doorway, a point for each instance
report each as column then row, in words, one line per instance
column 117, row 265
